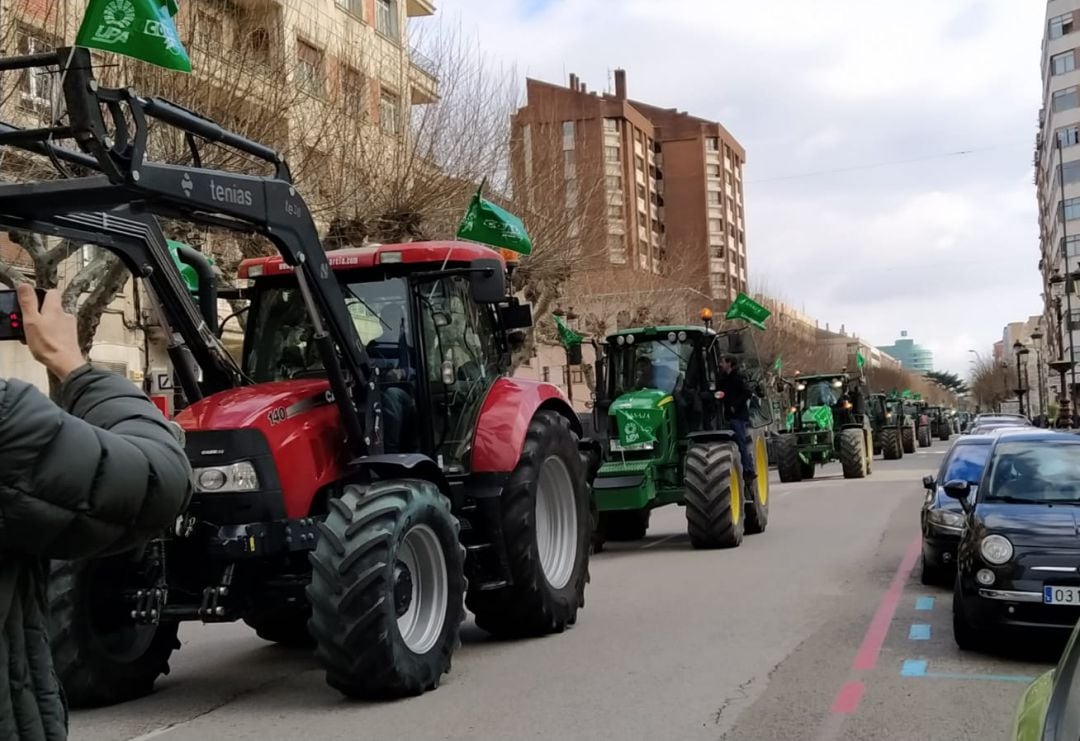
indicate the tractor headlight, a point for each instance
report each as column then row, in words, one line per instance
column 800, row 387
column 230, row 478
column 888, row 415
column 996, row 549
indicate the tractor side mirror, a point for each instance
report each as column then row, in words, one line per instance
column 781, row 387
column 515, row 316
column 928, row 482
column 488, row 281
column 573, row 354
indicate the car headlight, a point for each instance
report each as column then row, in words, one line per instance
column 996, row 549
column 230, row 478
column 946, row 518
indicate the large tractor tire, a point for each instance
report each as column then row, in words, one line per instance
column 924, row 437
column 868, row 446
column 547, row 524
column 100, row 655
column 891, row 445
column 286, row 624
column 807, row 469
column 757, row 497
column 387, row 589
column 714, row 498
column 787, row 458
column 853, row 453
column 944, row 434
column 624, row 525
column 907, row 438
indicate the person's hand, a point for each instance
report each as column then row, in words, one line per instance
column 720, row 394
column 51, row 333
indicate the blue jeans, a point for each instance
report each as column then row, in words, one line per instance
column 742, row 438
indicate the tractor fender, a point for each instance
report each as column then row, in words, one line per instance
column 405, row 466
column 504, row 420
column 712, row 436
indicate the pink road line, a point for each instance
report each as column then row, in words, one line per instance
column 874, row 639
column 848, row 698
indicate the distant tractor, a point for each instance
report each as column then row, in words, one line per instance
column 888, row 428
column 940, row 423
column 827, row 421
column 923, row 429
column 666, row 438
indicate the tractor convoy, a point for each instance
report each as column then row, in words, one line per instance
column 369, row 467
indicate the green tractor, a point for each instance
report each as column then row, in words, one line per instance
column 828, row 421
column 898, row 408
column 666, row 439
column 919, row 411
column 888, row 427
column 940, row 423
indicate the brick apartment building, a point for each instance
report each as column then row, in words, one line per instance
column 660, row 191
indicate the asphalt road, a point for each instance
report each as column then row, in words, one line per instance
column 804, row 632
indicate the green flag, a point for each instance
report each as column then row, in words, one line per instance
column 906, row 394
column 745, row 308
column 635, row 427
column 779, row 364
column 488, row 224
column 567, row 336
column 191, row 278
column 859, row 359
column 142, row 29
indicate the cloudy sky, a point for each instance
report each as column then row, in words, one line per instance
column 941, row 244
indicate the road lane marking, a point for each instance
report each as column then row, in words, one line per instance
column 662, row 540
column 924, row 604
column 848, row 698
column 867, row 656
column 919, row 632
column 920, row 668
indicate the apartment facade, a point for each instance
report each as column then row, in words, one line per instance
column 1057, row 177
column 659, row 192
column 1040, row 388
column 912, row 356
column 349, row 55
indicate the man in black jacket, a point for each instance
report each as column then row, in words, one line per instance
column 735, row 396
column 99, row 476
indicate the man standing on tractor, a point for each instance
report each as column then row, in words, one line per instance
column 391, row 354
column 734, row 393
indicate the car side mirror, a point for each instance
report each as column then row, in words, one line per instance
column 959, row 490
column 928, row 482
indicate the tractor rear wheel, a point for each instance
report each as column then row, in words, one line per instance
column 807, row 469
column 891, row 446
column 624, row 525
column 714, row 499
column 387, row 589
column 786, row 448
column 101, row 656
column 945, row 434
column 853, row 453
column 907, row 437
column 286, row 624
column 925, row 440
column 547, row 524
column 868, row 446
column 757, row 498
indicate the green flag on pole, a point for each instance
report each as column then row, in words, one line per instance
column 567, row 336
column 906, row 394
column 141, row 29
column 191, row 278
column 779, row 364
column 745, row 308
column 859, row 359
column 488, row 224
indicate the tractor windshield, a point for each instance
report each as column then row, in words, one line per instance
column 649, row 365
column 821, row 394
column 281, row 344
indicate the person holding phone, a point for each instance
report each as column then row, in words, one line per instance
column 100, row 473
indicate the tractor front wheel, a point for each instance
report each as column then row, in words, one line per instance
column 757, row 498
column 907, row 438
column 853, row 453
column 714, row 500
column 945, row 434
column 786, row 448
column 891, row 445
column 925, row 439
column 101, row 656
column 387, row 589
column 624, row 525
column 547, row 524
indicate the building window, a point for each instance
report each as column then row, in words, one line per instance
column 390, row 112
column 614, row 182
column 350, row 6
column 639, row 162
column 309, row 68
column 1063, row 63
column 209, row 31
column 575, row 376
column 36, row 84
column 641, row 192
column 715, row 198
column 526, row 142
column 716, row 225
column 546, row 374
column 568, row 134
column 611, row 124
column 1072, row 246
column 1070, row 172
column 354, row 92
column 1069, row 136
column 617, row 248
column 386, row 18
column 571, row 194
column 614, row 211
column 1060, row 25
column 712, row 144
column 611, row 154
column 712, row 171
column 1066, row 99
column 1072, row 208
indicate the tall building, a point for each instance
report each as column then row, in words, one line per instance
column 911, row 356
column 671, row 196
column 1057, row 175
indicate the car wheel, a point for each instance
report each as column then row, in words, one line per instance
column 931, row 575
column 968, row 637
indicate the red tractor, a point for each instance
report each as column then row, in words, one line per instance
column 366, row 470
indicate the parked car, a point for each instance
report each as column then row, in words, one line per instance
column 992, row 424
column 942, row 517
column 1049, row 709
column 1019, row 553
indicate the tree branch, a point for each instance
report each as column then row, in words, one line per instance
column 10, row 276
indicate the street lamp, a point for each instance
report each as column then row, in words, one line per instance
column 1020, row 351
column 1036, row 337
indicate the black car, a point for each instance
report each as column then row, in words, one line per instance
column 1018, row 563
column 942, row 517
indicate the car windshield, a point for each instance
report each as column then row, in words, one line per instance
column 649, row 365
column 966, row 463
column 1041, row 471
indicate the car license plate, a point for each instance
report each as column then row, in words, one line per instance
column 1061, row 596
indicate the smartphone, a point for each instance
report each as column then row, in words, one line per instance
column 11, row 323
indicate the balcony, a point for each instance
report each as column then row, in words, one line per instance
column 415, row 8
column 423, row 79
